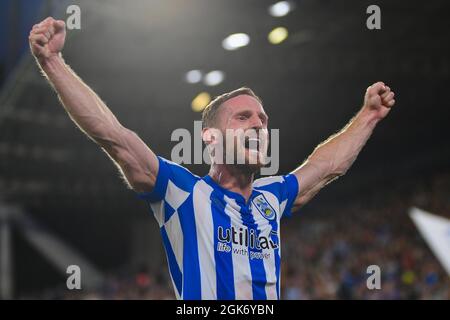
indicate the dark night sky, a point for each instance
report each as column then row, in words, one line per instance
column 134, row 56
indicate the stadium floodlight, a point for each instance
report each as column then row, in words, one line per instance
column 278, row 35
column 214, row 78
column 200, row 101
column 193, row 76
column 280, row 8
column 236, row 41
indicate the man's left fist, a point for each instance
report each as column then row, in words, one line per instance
column 379, row 100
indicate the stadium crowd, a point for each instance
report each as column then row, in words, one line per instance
column 325, row 255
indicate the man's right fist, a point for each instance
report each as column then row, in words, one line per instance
column 47, row 38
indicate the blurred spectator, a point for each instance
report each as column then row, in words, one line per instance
column 326, row 255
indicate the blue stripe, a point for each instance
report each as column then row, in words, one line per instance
column 224, row 260
column 278, row 270
column 276, row 239
column 259, row 279
column 274, row 224
column 173, row 265
column 191, row 265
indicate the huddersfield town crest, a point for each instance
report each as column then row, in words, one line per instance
column 264, row 207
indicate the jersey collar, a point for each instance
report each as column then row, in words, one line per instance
column 231, row 194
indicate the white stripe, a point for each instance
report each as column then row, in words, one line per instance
column 175, row 235
column 158, row 212
column 177, row 294
column 267, row 180
column 269, row 264
column 279, row 255
column 241, row 264
column 175, row 196
column 205, row 241
column 283, row 206
column 279, row 249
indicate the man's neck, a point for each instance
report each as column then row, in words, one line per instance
column 233, row 178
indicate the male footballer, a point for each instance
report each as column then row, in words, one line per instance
column 221, row 232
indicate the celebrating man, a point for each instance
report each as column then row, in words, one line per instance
column 221, row 232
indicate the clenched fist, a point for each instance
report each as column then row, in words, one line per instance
column 47, row 38
column 379, row 100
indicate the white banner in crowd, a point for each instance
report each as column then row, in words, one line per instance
column 436, row 232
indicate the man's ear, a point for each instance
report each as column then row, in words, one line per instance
column 211, row 135
column 207, row 136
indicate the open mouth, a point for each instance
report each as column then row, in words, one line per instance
column 252, row 143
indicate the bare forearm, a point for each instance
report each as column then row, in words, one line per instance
column 82, row 104
column 136, row 161
column 338, row 152
column 334, row 157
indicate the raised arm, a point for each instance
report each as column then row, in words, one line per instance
column 333, row 157
column 136, row 161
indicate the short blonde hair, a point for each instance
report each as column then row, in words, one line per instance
column 210, row 112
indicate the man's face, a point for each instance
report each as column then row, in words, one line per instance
column 243, row 124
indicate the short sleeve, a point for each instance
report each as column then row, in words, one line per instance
column 284, row 188
column 289, row 191
column 172, row 188
column 170, row 175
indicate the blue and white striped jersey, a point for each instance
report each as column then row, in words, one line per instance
column 218, row 245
